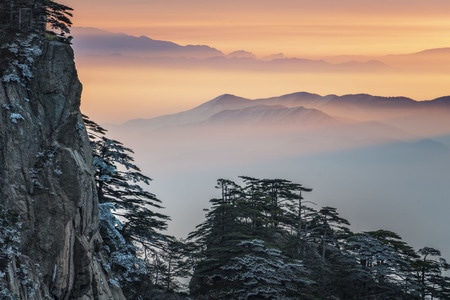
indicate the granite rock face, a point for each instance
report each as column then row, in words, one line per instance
column 46, row 176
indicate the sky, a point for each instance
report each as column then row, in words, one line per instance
column 314, row 29
column 117, row 89
column 293, row 27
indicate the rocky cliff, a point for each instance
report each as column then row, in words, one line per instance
column 46, row 178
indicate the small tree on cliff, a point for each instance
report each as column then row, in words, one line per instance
column 36, row 15
column 119, row 182
column 58, row 16
column 129, row 218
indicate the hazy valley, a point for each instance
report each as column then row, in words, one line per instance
column 384, row 162
column 153, row 78
column 358, row 152
column 143, row 168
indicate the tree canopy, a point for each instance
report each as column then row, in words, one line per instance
column 36, row 16
column 262, row 240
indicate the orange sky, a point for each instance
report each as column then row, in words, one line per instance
column 294, row 27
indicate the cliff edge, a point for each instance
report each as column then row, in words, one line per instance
column 46, row 179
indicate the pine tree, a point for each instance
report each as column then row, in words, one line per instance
column 326, row 236
column 119, row 182
column 213, row 239
column 58, row 16
column 258, row 234
column 175, row 265
column 382, row 267
column 330, row 228
column 404, row 270
column 429, row 270
column 259, row 272
column 243, row 234
column 128, row 217
column 36, row 16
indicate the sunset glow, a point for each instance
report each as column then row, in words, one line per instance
column 320, row 30
column 122, row 94
column 292, row 27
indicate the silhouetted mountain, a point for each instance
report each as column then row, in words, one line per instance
column 360, row 100
column 241, row 54
column 93, row 41
column 364, row 106
column 431, row 145
column 441, row 101
column 96, row 42
column 361, row 151
column 265, row 115
column 436, row 60
column 237, row 110
column 222, row 102
column 371, row 101
column 195, row 115
column 356, row 107
column 435, row 51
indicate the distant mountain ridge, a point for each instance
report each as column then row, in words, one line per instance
column 272, row 115
column 395, row 141
column 100, row 42
column 227, row 105
column 304, row 98
column 96, row 42
column 444, row 50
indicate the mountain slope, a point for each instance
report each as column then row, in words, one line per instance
column 356, row 100
column 272, row 115
column 435, row 60
column 351, row 107
column 195, row 115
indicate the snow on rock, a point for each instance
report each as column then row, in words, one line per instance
column 47, row 178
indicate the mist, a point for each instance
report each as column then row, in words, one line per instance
column 380, row 169
column 128, row 77
column 383, row 164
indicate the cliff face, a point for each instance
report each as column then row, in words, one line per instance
column 46, row 177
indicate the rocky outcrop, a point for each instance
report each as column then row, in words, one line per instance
column 46, row 177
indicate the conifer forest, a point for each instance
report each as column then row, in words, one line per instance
column 260, row 238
